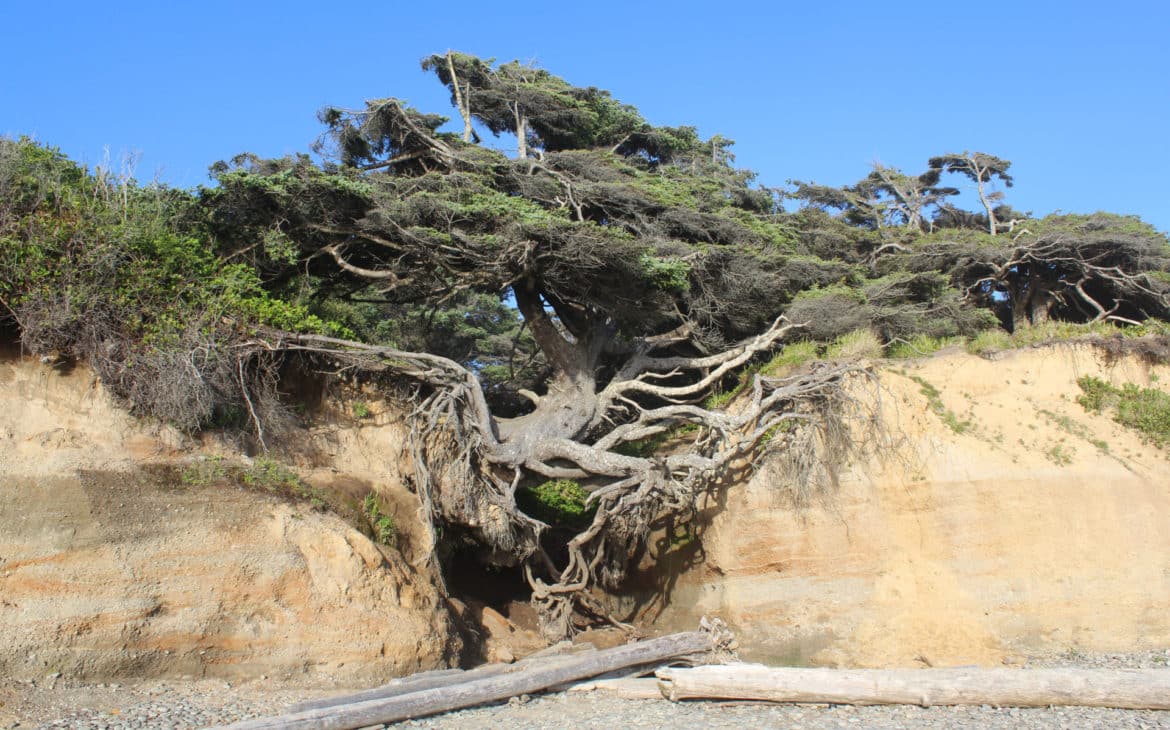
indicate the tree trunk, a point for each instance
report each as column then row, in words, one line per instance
column 521, row 131
column 1120, row 688
column 991, row 224
column 1040, row 303
column 447, row 677
column 571, row 401
column 524, row 680
column 460, row 100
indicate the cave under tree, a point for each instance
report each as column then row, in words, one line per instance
column 646, row 269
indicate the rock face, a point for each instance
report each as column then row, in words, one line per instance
column 110, row 567
column 1028, row 525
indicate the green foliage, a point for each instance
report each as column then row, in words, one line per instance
column 792, row 356
column 921, row 346
column 560, row 502
column 1060, row 455
column 270, row 476
column 938, row 408
column 204, row 472
column 261, row 474
column 1054, row 331
column 129, row 279
column 1146, row 410
column 858, row 344
column 990, row 341
column 668, row 274
column 383, row 525
column 361, row 409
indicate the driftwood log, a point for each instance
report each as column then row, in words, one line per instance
column 448, row 677
column 1119, row 688
column 627, row 688
column 524, row 678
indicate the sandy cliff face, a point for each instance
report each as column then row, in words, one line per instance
column 110, row 566
column 1038, row 527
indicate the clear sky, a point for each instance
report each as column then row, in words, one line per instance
column 1076, row 94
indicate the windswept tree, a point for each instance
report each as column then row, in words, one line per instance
column 982, row 169
column 1077, row 268
column 895, row 206
column 911, row 197
column 647, row 270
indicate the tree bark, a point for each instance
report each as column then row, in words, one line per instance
column 460, row 101
column 1119, row 688
column 523, row 680
column 521, row 131
column 980, row 171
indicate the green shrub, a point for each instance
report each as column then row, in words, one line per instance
column 668, row 274
column 559, row 502
column 204, row 472
column 1146, row 410
column 383, row 525
column 266, row 474
column 1097, row 395
column 130, row 279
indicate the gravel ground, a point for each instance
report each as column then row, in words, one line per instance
column 55, row 703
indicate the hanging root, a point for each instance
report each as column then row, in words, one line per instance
column 809, row 425
column 466, row 475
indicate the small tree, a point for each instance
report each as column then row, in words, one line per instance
column 911, row 197
column 982, row 169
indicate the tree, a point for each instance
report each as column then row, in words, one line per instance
column 889, row 202
column 911, row 197
column 540, row 109
column 982, row 169
column 647, row 270
column 1079, row 268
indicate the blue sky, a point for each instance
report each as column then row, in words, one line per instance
column 1077, row 95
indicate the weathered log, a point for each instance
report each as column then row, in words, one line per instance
column 522, row 680
column 445, row 678
column 1120, row 688
column 405, row 685
column 627, row 688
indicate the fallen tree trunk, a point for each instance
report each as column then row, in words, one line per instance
column 1136, row 689
column 627, row 688
column 524, row 679
column 406, row 685
column 448, row 677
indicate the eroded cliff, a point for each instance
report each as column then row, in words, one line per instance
column 112, row 564
column 999, row 517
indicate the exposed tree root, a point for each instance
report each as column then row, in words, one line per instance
column 469, row 464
